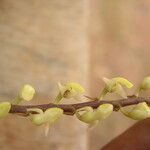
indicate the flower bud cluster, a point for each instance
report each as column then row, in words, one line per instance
column 89, row 114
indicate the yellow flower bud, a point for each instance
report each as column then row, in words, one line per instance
column 86, row 115
column 75, row 86
column 115, row 85
column 91, row 116
column 138, row 112
column 68, row 90
column 4, row 108
column 51, row 115
column 145, row 85
column 103, row 111
column 27, row 92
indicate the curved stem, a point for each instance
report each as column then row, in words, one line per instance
column 70, row 109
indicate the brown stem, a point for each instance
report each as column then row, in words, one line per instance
column 70, row 109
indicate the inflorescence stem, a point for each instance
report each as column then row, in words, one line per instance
column 70, row 109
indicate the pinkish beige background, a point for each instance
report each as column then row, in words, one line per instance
column 43, row 42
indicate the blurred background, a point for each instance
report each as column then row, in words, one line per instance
column 50, row 41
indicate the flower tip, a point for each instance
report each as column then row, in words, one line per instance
column 75, row 86
column 106, row 80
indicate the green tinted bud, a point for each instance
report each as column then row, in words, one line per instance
column 86, row 115
column 37, row 119
column 122, row 81
column 75, row 86
column 103, row 111
column 115, row 85
column 91, row 116
column 145, row 85
column 138, row 112
column 4, row 108
column 54, row 114
column 69, row 90
column 27, row 92
column 51, row 115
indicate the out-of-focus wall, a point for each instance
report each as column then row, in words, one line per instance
column 120, row 46
column 42, row 43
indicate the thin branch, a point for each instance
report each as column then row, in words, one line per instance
column 70, row 109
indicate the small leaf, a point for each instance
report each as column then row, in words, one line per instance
column 139, row 112
column 51, row 115
column 4, row 108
